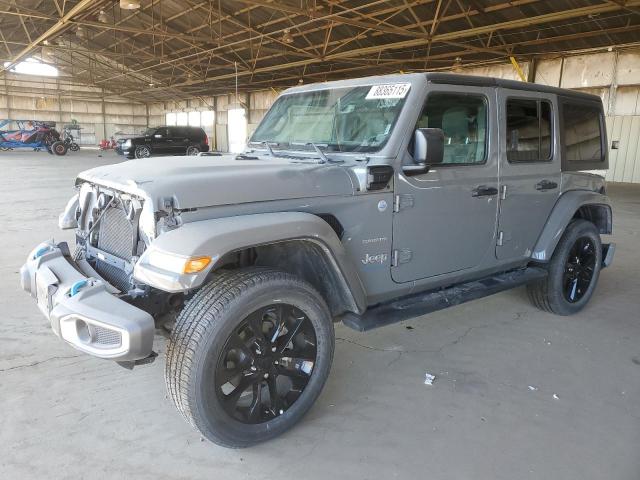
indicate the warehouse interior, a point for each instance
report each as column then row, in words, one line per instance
column 122, row 70
column 518, row 393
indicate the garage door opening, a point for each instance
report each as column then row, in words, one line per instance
column 237, row 126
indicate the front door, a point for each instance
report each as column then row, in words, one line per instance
column 160, row 141
column 445, row 219
column 529, row 170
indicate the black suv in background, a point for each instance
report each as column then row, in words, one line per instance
column 165, row 140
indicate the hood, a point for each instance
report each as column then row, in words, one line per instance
column 202, row 181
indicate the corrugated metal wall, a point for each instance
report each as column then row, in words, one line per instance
column 624, row 162
column 26, row 97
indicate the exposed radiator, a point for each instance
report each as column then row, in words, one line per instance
column 116, row 235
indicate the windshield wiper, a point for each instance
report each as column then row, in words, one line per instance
column 321, row 154
column 266, row 144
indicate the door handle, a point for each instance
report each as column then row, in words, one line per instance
column 546, row 185
column 484, row 191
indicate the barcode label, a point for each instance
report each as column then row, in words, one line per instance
column 395, row 90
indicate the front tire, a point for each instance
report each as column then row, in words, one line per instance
column 248, row 356
column 573, row 271
column 142, row 152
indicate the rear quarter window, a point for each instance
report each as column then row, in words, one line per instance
column 583, row 135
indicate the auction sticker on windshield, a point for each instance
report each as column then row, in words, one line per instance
column 395, row 90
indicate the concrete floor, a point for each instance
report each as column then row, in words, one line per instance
column 67, row 415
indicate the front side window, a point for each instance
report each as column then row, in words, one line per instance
column 582, row 132
column 354, row 119
column 528, row 130
column 463, row 119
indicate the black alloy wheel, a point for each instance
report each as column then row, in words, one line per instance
column 572, row 272
column 266, row 364
column 579, row 269
column 249, row 354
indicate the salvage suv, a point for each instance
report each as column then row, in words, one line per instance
column 366, row 201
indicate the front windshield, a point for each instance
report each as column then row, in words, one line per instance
column 354, row 119
column 149, row 132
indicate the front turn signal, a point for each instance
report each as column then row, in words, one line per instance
column 196, row 264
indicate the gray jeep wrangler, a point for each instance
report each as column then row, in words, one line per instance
column 366, row 201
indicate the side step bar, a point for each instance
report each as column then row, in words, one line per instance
column 434, row 300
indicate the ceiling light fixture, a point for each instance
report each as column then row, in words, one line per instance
column 286, row 36
column 46, row 52
column 102, row 18
column 81, row 32
column 129, row 4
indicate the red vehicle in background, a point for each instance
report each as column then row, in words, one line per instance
column 108, row 144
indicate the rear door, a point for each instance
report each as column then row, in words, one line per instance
column 445, row 219
column 529, row 169
column 180, row 140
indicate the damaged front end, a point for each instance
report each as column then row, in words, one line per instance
column 90, row 296
column 113, row 229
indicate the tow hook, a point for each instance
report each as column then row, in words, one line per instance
column 75, row 288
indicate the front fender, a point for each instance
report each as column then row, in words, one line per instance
column 218, row 237
column 563, row 212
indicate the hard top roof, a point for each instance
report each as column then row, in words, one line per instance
column 445, row 78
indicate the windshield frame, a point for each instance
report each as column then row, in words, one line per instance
column 310, row 147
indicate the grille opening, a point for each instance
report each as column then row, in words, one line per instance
column 106, row 336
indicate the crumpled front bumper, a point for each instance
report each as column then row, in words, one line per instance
column 82, row 311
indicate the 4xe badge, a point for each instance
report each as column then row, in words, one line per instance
column 379, row 259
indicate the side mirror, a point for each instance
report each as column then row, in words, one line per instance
column 428, row 149
column 428, row 145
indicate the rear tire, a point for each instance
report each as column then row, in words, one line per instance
column 573, row 271
column 193, row 150
column 59, row 148
column 271, row 378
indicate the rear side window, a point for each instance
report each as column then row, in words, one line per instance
column 463, row 120
column 528, row 130
column 180, row 132
column 582, row 132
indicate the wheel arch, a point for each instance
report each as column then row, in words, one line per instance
column 299, row 243
column 591, row 206
column 306, row 258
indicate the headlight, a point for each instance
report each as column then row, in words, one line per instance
column 175, row 263
column 127, row 143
